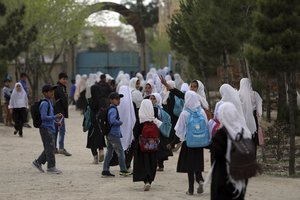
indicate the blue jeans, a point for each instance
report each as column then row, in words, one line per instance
column 48, row 142
column 62, row 131
column 114, row 144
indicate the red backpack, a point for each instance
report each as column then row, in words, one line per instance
column 149, row 139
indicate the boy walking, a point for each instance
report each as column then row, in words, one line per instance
column 47, row 130
column 113, row 138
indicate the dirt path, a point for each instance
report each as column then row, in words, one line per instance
column 82, row 180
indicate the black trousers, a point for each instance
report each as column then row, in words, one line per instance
column 49, row 148
column 19, row 117
column 191, row 177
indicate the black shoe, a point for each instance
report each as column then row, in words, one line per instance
column 38, row 166
column 107, row 174
column 15, row 132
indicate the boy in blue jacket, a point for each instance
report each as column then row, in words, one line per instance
column 47, row 130
column 113, row 138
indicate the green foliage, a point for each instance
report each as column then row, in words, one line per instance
column 275, row 43
column 203, row 30
column 15, row 37
column 148, row 13
column 160, row 47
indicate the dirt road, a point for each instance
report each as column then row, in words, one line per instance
column 82, row 180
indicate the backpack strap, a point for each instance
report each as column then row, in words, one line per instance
column 48, row 111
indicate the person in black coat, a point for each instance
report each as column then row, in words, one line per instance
column 98, row 102
column 61, row 106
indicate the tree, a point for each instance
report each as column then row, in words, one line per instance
column 275, row 46
column 15, row 37
column 58, row 24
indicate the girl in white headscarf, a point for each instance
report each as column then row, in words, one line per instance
column 223, row 186
column 18, row 103
column 137, row 96
column 90, row 81
column 148, row 89
column 251, row 104
column 127, row 116
column 145, row 164
column 163, row 152
column 124, row 80
column 190, row 160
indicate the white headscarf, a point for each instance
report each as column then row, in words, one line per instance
column 137, row 96
column 192, row 103
column 168, row 78
column 245, row 94
column 158, row 99
column 123, row 81
column 146, row 113
column 127, row 116
column 118, row 79
column 178, row 81
column 229, row 94
column 89, row 83
column 230, row 118
column 18, row 99
column 184, row 88
column 165, row 93
column 201, row 92
column 81, row 86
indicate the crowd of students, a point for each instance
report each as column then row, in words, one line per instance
column 130, row 104
column 141, row 99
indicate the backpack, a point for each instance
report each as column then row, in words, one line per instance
column 36, row 113
column 197, row 134
column 149, row 139
column 242, row 163
column 178, row 106
column 103, row 118
column 166, row 125
column 86, row 124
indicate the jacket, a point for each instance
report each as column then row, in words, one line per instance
column 61, row 100
column 114, row 122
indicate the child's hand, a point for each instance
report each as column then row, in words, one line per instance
column 59, row 115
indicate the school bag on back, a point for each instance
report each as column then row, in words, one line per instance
column 166, row 125
column 149, row 139
column 242, row 164
column 197, row 134
column 86, row 124
column 36, row 113
column 103, row 119
column 178, row 106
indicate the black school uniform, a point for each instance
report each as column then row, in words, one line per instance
column 221, row 188
column 144, row 164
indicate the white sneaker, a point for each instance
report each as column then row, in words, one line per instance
column 147, row 187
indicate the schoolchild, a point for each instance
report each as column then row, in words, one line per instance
column 144, row 163
column 163, row 152
column 223, row 186
column 18, row 104
column 114, row 138
column 47, row 130
column 191, row 160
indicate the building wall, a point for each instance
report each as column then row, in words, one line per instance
column 166, row 9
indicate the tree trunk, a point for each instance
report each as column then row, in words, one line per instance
column 268, row 100
column 281, row 104
column 292, row 102
column 226, row 74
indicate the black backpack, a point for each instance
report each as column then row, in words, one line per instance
column 103, row 119
column 36, row 113
column 243, row 163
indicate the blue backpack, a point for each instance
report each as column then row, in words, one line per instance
column 178, row 106
column 166, row 126
column 197, row 134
